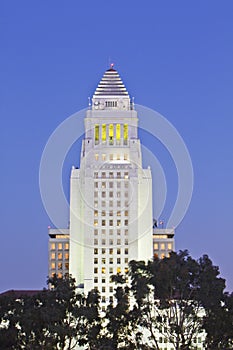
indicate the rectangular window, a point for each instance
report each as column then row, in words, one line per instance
column 103, row 261
column 156, row 246
column 110, row 251
column 95, row 260
column 95, row 232
column 111, row 157
column 125, row 134
column 103, row 175
column 162, row 246
column 95, row 175
column 103, row 194
column 126, row 251
column 103, row 250
column 111, row 232
column 111, row 261
column 118, row 241
column 110, row 222
column 103, row 289
column 103, row 231
column 118, row 132
column 118, row 213
column 96, row 280
column 118, row 203
column 118, row 223
column 103, row 132
column 118, row 184
column 96, row 212
column 111, row 204
column 126, row 241
column 126, row 213
column 111, row 175
column 103, row 241
column 110, row 212
column 96, row 184
column 66, row 256
column 111, row 242
column 118, row 175
column 118, row 270
column 118, row 157
column 111, row 184
column 103, row 203
column 60, row 246
column 52, row 246
column 126, row 222
column 110, row 269
column 111, row 134
column 103, row 185
column 95, row 269
column 96, row 222
column 111, row 194
column 125, row 156
column 59, row 255
column 118, row 260
column 103, row 269
column 95, row 251
column 103, row 156
column 118, row 232
column 126, row 175
column 95, row 203
column 97, row 128
column 103, row 213
column 96, row 156
column 118, row 251
column 53, row 266
column 95, row 241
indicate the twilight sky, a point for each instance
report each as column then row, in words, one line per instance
column 175, row 57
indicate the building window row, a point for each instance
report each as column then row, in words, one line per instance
column 59, row 246
column 111, row 132
column 110, row 251
column 111, row 175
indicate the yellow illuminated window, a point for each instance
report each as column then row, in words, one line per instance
column 103, row 132
column 118, row 270
column 66, row 245
column 97, row 129
column 59, row 246
column 96, row 156
column 111, row 134
column 59, row 266
column 125, row 133
column 66, row 256
column 118, row 132
column 156, row 246
column 103, row 269
column 53, row 246
column 162, row 246
column 53, row 266
column 169, row 246
column 59, row 255
column 103, row 156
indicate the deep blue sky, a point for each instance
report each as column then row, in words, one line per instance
column 174, row 56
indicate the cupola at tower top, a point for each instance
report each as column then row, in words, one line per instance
column 111, row 93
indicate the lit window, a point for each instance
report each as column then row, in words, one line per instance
column 53, row 266
column 103, row 157
column 66, row 256
column 126, row 213
column 97, row 133
column 118, row 270
column 59, row 275
column 110, row 269
column 118, row 251
column 125, row 134
column 118, row 132
column 103, row 213
column 96, row 222
column 156, row 246
column 96, row 156
column 52, row 246
column 59, row 255
column 110, row 251
column 162, row 246
column 103, row 184
column 126, row 175
column 126, row 270
column 103, row 132
column 103, row 269
column 59, row 246
column 118, row 223
column 66, row 246
column 111, row 261
column 111, row 134
column 96, row 212
column 103, row 261
column 169, row 246
column 95, row 251
column 118, row 213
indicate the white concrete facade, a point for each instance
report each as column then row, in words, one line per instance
column 111, row 194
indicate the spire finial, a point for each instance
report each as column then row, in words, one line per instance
column 111, row 65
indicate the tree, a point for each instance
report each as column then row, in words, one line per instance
column 174, row 295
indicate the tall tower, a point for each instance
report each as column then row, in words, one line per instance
column 110, row 194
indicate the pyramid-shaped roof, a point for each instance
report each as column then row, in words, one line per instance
column 111, row 85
